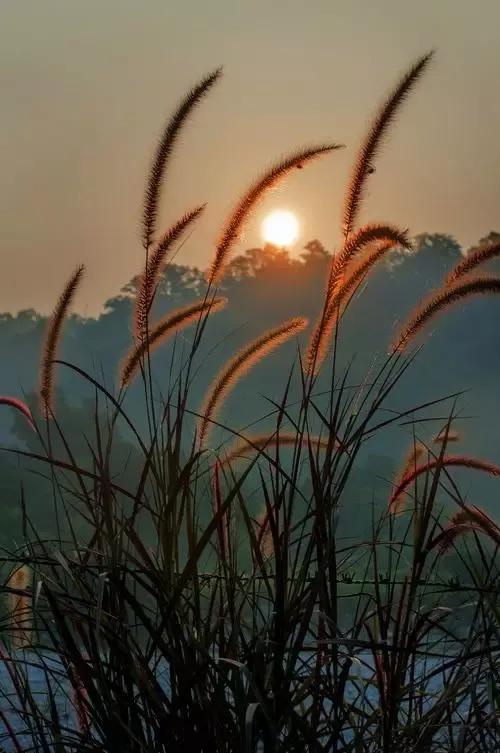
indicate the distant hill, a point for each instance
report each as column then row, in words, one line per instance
column 264, row 287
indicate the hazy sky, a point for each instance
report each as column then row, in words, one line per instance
column 86, row 86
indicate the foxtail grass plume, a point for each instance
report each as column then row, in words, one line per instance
column 52, row 341
column 166, row 327
column 364, row 163
column 356, row 243
column 479, row 518
column 320, row 340
column 20, row 605
column 164, row 151
column 356, row 272
column 440, row 301
column 234, row 224
column 244, row 447
column 414, row 454
column 449, row 461
column 239, row 365
column 483, row 253
column 154, row 266
column 450, row 533
column 469, row 518
column 264, row 534
column 19, row 405
column 340, row 286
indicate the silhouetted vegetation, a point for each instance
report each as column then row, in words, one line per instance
column 236, row 543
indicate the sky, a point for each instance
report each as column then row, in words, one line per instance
column 87, row 85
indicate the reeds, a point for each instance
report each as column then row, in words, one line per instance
column 364, row 164
column 438, row 302
column 248, row 357
column 154, row 266
column 52, row 342
column 164, row 151
column 164, row 329
column 247, row 203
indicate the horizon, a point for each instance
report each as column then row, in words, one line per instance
column 249, row 397
column 79, row 128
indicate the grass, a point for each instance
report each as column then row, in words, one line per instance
column 215, row 604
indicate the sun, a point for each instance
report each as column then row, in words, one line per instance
column 280, row 228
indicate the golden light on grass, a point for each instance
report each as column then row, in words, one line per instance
column 20, row 605
column 280, row 227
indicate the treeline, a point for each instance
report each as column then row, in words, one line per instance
column 263, row 287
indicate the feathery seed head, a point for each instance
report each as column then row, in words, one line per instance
column 364, row 164
column 153, row 269
column 484, row 253
column 356, row 243
column 468, row 518
column 440, row 301
column 414, row 454
column 19, row 405
column 341, row 284
column 166, row 327
column 461, row 461
column 234, row 224
column 264, row 534
column 20, row 605
column 259, row 442
column 164, row 151
column 239, row 365
column 52, row 341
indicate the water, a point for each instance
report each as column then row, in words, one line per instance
column 38, row 672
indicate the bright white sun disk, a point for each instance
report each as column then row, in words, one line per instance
column 280, row 228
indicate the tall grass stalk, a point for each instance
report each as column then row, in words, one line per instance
column 206, row 604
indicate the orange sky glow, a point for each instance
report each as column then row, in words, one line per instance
column 86, row 88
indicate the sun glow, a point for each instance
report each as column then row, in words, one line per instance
column 280, row 228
